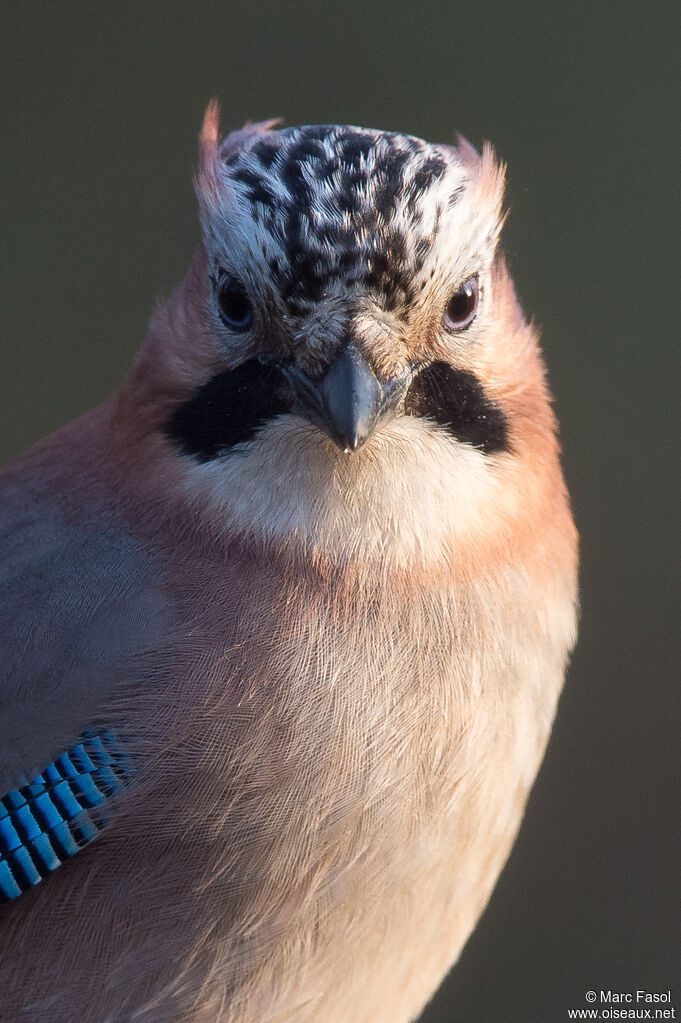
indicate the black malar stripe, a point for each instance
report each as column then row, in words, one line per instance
column 229, row 409
column 456, row 400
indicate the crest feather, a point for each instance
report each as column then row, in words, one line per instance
column 207, row 178
column 212, row 153
column 239, row 140
column 492, row 175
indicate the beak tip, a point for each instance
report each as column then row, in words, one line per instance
column 352, row 439
column 350, row 443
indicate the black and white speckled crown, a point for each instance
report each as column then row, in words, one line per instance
column 343, row 204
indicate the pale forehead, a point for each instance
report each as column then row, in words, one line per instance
column 336, row 203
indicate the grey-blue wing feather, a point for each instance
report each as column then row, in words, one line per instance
column 82, row 601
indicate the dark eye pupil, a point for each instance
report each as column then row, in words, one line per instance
column 235, row 306
column 462, row 305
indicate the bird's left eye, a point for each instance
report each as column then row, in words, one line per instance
column 463, row 305
column 236, row 310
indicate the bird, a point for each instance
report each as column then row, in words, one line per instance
column 285, row 620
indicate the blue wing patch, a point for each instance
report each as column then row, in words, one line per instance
column 46, row 821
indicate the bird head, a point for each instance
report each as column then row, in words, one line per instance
column 346, row 370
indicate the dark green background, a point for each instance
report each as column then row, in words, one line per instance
column 101, row 107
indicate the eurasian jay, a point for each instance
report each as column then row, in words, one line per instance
column 285, row 620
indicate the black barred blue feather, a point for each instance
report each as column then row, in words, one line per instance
column 48, row 820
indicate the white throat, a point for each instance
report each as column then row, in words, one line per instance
column 410, row 494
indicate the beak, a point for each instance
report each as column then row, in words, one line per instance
column 349, row 401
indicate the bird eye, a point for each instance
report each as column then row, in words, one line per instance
column 463, row 305
column 236, row 310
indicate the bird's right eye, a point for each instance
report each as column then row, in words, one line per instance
column 463, row 305
column 236, row 309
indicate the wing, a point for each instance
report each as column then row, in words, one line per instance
column 60, row 811
column 81, row 600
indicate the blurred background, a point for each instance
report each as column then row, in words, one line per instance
column 101, row 105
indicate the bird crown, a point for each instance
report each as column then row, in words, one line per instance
column 324, row 210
